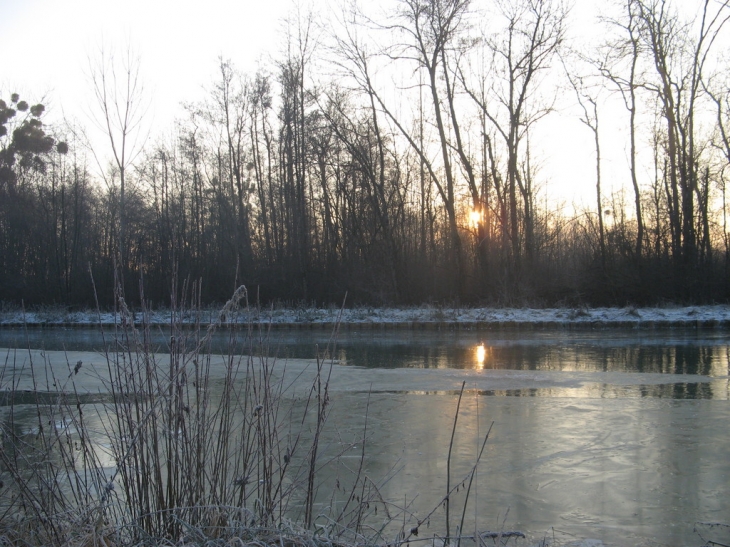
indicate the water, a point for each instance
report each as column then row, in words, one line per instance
column 614, row 435
column 679, row 351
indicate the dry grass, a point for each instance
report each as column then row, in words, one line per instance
column 179, row 456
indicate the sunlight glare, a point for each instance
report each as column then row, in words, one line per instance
column 481, row 354
column 475, row 217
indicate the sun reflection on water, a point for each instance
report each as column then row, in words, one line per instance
column 481, row 355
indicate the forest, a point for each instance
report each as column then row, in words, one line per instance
column 387, row 156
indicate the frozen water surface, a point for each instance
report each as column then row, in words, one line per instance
column 616, row 436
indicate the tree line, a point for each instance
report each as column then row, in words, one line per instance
column 390, row 158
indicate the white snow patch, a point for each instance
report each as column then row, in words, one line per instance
column 680, row 315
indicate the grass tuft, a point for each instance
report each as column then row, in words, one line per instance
column 188, row 447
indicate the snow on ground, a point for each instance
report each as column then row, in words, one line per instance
column 416, row 317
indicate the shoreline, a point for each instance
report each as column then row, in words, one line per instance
column 710, row 324
column 424, row 318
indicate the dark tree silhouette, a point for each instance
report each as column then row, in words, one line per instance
column 28, row 144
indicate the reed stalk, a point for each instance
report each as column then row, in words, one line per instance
column 189, row 446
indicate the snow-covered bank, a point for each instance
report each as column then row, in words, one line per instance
column 424, row 317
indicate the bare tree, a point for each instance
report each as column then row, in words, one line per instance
column 260, row 134
column 719, row 93
column 520, row 54
column 364, row 137
column 679, row 59
column 589, row 105
column 120, row 111
column 431, row 28
column 625, row 79
column 231, row 116
column 301, row 41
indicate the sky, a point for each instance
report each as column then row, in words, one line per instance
column 47, row 45
column 178, row 43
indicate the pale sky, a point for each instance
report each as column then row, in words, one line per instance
column 46, row 44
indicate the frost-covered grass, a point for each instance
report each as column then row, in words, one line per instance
column 177, row 456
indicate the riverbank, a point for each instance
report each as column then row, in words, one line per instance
column 423, row 318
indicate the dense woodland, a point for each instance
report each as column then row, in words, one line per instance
column 388, row 156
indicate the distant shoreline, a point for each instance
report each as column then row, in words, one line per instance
column 421, row 318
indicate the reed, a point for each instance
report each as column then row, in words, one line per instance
column 189, row 447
